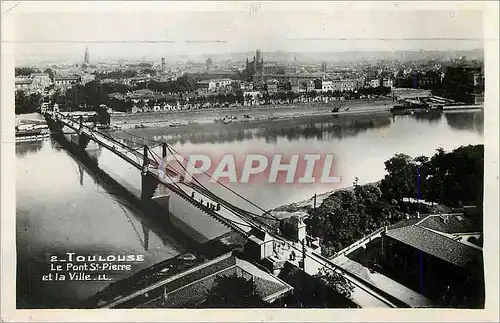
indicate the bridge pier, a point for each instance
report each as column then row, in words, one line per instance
column 56, row 126
column 83, row 140
column 148, row 187
column 153, row 193
column 164, row 150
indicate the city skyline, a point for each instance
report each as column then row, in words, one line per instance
column 111, row 34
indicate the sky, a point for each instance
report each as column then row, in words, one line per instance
column 160, row 29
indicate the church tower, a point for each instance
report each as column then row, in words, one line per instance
column 86, row 57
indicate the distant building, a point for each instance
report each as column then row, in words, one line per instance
column 87, row 78
column 345, row 85
column 23, row 84
column 387, row 82
column 138, row 80
column 208, row 63
column 374, row 83
column 256, row 65
column 326, row 85
column 144, row 95
column 40, row 81
column 464, row 82
column 272, row 86
column 36, row 82
column 210, row 75
column 251, row 97
column 310, row 86
column 86, row 58
column 323, row 67
column 246, row 86
column 66, row 81
column 215, row 84
column 163, row 64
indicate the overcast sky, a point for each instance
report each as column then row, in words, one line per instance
column 45, row 33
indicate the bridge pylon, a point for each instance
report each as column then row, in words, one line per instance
column 152, row 190
column 83, row 140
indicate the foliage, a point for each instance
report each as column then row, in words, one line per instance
column 90, row 96
column 453, row 178
column 456, row 178
column 181, row 84
column 400, row 181
column 27, row 103
column 312, row 291
column 336, row 281
column 25, row 71
column 50, row 72
column 348, row 215
column 233, row 291
column 116, row 75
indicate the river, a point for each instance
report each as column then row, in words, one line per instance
column 62, row 207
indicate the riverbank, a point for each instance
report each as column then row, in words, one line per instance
column 244, row 114
column 309, row 203
column 30, row 118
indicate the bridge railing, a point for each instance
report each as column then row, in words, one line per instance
column 357, row 243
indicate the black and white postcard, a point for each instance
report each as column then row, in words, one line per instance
column 270, row 157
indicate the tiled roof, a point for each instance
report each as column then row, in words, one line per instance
column 404, row 223
column 452, row 224
column 193, row 288
column 437, row 245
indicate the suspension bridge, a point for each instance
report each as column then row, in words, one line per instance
column 158, row 181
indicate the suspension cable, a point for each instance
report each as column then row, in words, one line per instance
column 208, row 191
column 199, row 183
column 225, row 186
column 241, row 210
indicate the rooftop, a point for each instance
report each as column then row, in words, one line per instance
column 66, row 77
column 190, row 286
column 23, row 81
column 430, row 236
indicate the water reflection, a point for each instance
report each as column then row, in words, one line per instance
column 65, row 207
column 61, row 207
column 25, row 148
column 465, row 121
column 326, row 128
column 432, row 117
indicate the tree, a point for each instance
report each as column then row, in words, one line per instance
column 337, row 281
column 233, row 291
column 400, row 180
column 456, row 178
column 27, row 103
column 344, row 217
column 50, row 72
column 24, row 71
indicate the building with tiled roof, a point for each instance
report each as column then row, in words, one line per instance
column 23, row 83
column 436, row 244
column 190, row 286
column 439, row 256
